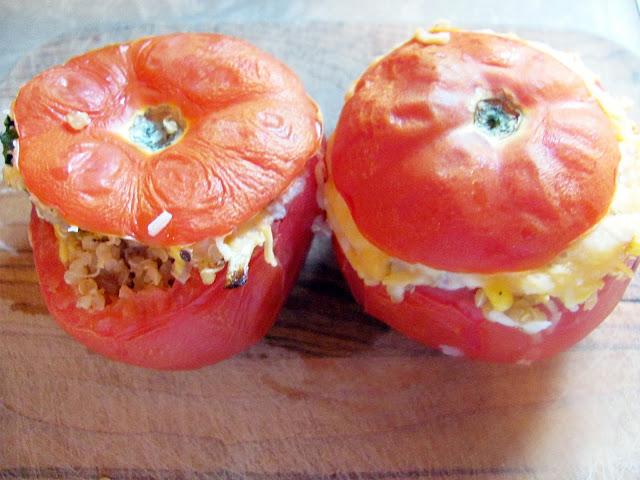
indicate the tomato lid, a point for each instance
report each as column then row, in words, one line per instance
column 167, row 139
column 474, row 152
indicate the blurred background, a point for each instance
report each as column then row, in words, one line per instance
column 27, row 24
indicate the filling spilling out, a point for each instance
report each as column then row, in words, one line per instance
column 527, row 300
column 104, row 268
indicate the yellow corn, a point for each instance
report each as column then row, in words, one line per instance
column 179, row 264
column 499, row 295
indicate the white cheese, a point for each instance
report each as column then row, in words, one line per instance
column 159, row 223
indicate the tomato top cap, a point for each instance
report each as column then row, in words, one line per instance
column 473, row 152
column 205, row 127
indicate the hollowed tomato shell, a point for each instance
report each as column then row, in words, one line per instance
column 449, row 320
column 191, row 325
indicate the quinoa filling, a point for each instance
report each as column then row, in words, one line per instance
column 104, row 268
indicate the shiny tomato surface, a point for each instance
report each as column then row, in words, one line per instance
column 186, row 326
column 242, row 127
column 449, row 319
column 434, row 172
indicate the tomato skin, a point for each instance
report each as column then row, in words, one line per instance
column 191, row 325
column 407, row 153
column 436, row 318
column 249, row 128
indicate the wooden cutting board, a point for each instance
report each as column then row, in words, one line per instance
column 330, row 392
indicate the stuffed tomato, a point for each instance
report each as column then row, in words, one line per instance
column 483, row 195
column 173, row 190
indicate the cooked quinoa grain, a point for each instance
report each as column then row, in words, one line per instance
column 104, row 268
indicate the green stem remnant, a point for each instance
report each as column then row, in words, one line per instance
column 158, row 128
column 8, row 136
column 499, row 117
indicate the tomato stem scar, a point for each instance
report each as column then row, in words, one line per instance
column 499, row 117
column 157, row 127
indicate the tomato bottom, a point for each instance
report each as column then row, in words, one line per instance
column 450, row 321
column 186, row 326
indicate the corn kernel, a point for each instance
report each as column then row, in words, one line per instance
column 179, row 264
column 499, row 295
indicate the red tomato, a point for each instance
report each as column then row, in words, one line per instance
column 425, row 184
column 475, row 153
column 449, row 318
column 190, row 325
column 248, row 128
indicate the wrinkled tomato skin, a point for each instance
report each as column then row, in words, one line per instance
column 249, row 128
column 190, row 325
column 437, row 318
column 408, row 152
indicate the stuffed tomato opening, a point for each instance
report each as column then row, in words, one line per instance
column 183, row 324
column 102, row 268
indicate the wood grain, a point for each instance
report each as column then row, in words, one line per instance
column 330, row 392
